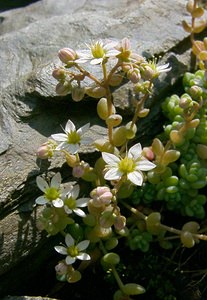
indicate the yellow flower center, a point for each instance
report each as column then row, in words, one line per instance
column 73, row 137
column 52, row 193
column 70, row 202
column 72, row 251
column 127, row 165
column 97, row 50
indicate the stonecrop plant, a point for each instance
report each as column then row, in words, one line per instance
column 171, row 172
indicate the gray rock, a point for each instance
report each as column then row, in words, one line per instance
column 30, row 111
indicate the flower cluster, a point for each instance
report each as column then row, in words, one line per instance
column 127, row 63
column 91, row 211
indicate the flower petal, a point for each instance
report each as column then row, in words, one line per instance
column 79, row 212
column 58, row 203
column 61, row 146
column 86, row 140
column 110, row 158
column 73, row 148
column 60, row 137
column 83, row 256
column 83, row 245
column 69, row 240
column 67, row 210
column 135, row 151
column 56, row 181
column 41, row 200
column 135, row 177
column 69, row 126
column 145, row 165
column 110, row 45
column 83, row 129
column 113, row 174
column 42, row 183
column 82, row 202
column 66, row 190
column 75, row 191
column 112, row 53
column 70, row 260
column 82, row 60
column 96, row 61
column 61, row 250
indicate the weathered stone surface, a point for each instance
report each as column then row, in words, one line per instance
column 30, row 111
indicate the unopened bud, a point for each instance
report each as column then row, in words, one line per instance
column 134, row 75
column 205, row 42
column 61, row 268
column 72, row 160
column 66, row 55
column 115, row 80
column 107, row 219
column 120, row 136
column 120, row 222
column 78, row 171
column 59, row 74
column 95, row 92
column 131, row 130
column 114, row 120
column 195, row 92
column 147, row 73
column 63, row 88
column 143, row 113
column 103, row 145
column 78, row 93
column 126, row 67
column 102, row 109
column 148, row 153
column 101, row 196
column 46, row 150
column 185, row 101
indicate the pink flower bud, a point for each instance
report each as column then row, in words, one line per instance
column 66, row 55
column 148, row 73
column 148, row 153
column 78, row 171
column 120, row 222
column 59, row 74
column 46, row 150
column 100, row 190
column 61, row 268
column 134, row 75
column 126, row 67
column 101, row 195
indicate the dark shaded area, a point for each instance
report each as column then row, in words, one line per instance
column 10, row 4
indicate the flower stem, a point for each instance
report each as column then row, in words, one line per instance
column 115, row 273
column 140, row 105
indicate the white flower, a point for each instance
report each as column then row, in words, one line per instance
column 131, row 166
column 71, row 204
column 53, row 192
column 163, row 68
column 97, row 52
column 158, row 69
column 72, row 139
column 73, row 251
